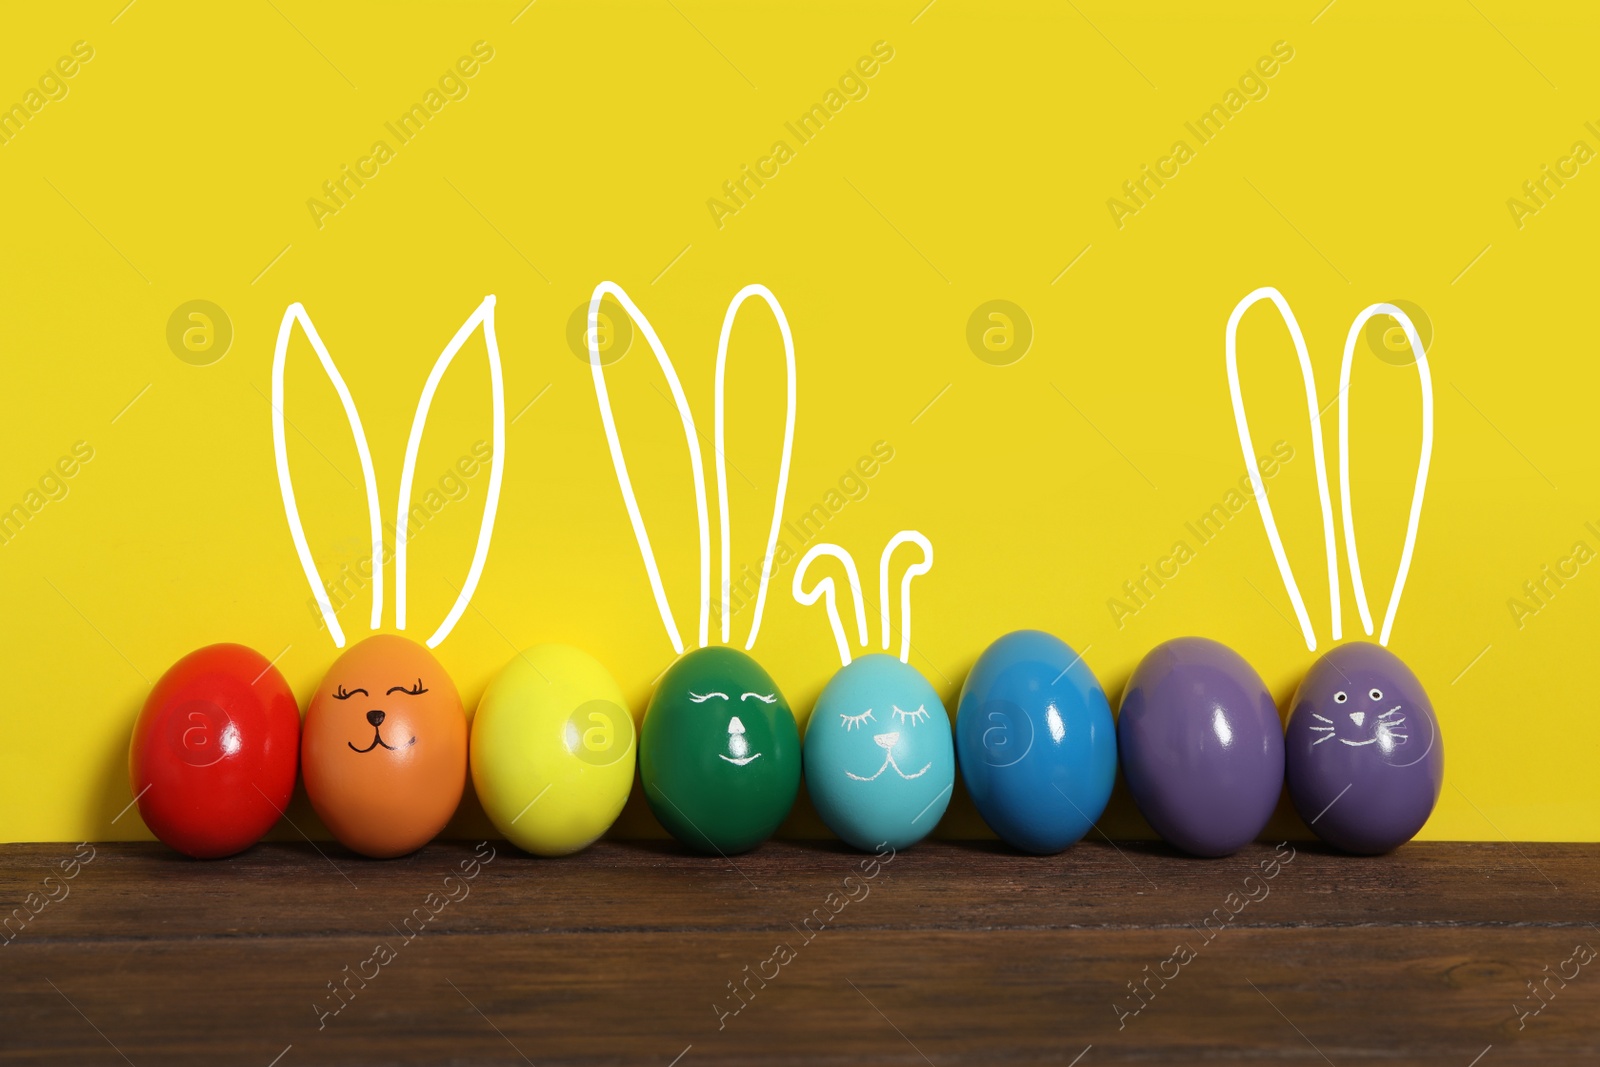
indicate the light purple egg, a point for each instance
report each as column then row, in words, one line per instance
column 1201, row 746
column 1365, row 757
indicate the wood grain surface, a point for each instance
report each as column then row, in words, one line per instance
column 950, row 953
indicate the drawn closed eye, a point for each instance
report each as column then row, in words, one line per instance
column 850, row 722
column 418, row 691
column 765, row 698
column 701, row 698
column 342, row 694
column 913, row 717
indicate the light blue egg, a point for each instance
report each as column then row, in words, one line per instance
column 879, row 760
column 1037, row 742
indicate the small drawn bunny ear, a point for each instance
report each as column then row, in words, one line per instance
column 608, row 419
column 921, row 567
column 826, row 588
column 1425, row 377
column 484, row 316
column 722, row 463
column 297, row 313
column 1256, row 483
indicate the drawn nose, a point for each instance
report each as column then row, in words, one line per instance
column 375, row 717
column 887, row 741
column 1358, row 717
column 735, row 726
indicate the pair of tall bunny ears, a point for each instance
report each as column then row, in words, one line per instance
column 825, row 588
column 697, row 467
column 483, row 316
column 1425, row 377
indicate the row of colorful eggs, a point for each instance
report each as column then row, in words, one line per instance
column 385, row 749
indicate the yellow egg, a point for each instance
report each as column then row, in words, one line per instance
column 553, row 750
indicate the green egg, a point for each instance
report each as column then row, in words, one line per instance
column 719, row 752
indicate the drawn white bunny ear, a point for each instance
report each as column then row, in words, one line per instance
column 484, row 315
column 921, row 567
column 722, row 462
column 1269, row 293
column 608, row 419
column 825, row 588
column 1425, row 377
column 296, row 313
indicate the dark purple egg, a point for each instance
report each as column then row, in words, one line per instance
column 1201, row 746
column 1365, row 757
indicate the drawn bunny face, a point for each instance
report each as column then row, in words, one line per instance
column 384, row 744
column 879, row 753
column 1363, row 755
column 719, row 752
column 1364, row 698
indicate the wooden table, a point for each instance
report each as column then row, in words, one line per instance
column 950, row 953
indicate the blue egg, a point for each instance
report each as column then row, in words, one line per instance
column 879, row 762
column 1038, row 746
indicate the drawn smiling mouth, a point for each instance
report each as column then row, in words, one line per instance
column 739, row 762
column 377, row 740
column 887, row 743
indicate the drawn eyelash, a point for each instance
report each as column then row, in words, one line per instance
column 341, row 694
column 913, row 717
column 418, row 691
column 701, row 698
column 765, row 698
column 850, row 722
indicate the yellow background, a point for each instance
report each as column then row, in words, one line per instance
column 978, row 166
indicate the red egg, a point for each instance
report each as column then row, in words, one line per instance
column 215, row 751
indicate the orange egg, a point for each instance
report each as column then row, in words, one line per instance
column 384, row 747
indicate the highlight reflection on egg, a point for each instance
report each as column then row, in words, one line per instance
column 213, row 756
column 1037, row 747
column 553, row 750
column 1201, row 745
column 384, row 748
